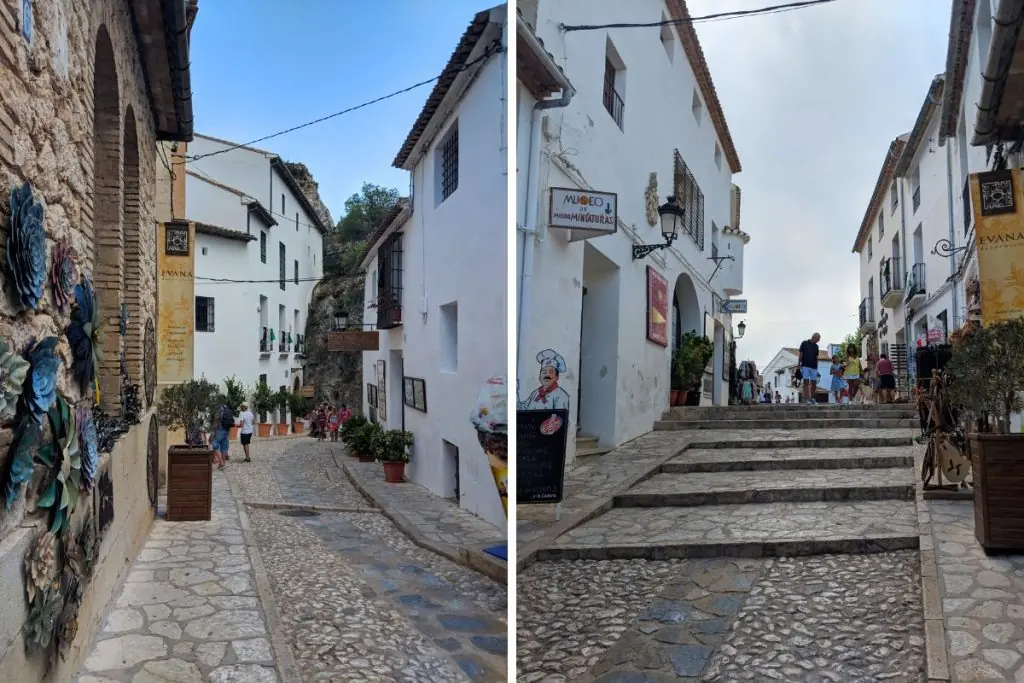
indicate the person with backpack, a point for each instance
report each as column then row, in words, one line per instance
column 219, row 439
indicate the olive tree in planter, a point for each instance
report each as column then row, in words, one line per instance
column 188, row 406
column 393, row 452
column 695, row 352
column 299, row 407
column 234, row 397
column 676, row 381
column 263, row 403
column 281, row 404
column 986, row 378
column 349, row 429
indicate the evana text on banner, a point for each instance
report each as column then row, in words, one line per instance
column 997, row 202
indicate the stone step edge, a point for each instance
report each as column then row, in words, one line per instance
column 821, row 462
column 819, row 442
column 837, row 423
column 859, row 545
column 802, row 415
column 758, row 496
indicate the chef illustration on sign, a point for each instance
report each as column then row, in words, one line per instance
column 548, row 396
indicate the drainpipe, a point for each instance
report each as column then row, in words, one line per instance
column 531, row 212
column 952, row 234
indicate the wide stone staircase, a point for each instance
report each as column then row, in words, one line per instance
column 765, row 480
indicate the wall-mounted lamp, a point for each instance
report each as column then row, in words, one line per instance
column 671, row 219
column 741, row 329
column 340, row 320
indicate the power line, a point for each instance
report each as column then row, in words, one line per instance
column 494, row 48
column 707, row 18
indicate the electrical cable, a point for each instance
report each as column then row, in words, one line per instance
column 493, row 49
column 707, row 18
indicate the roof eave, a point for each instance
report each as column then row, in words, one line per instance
column 885, row 176
column 260, row 211
column 961, row 26
column 401, row 213
column 924, row 117
column 162, row 29
column 535, row 67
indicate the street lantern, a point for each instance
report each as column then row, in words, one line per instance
column 340, row 320
column 671, row 221
column 741, row 329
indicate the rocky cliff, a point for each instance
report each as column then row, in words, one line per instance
column 310, row 188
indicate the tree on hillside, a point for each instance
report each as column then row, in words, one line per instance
column 363, row 213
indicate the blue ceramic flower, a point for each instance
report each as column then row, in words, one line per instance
column 41, row 387
column 88, row 446
column 83, row 334
column 25, row 262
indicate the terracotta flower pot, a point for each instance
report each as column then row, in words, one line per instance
column 282, row 429
column 681, row 397
column 297, row 427
column 233, row 435
column 394, row 472
column 673, row 396
column 263, row 429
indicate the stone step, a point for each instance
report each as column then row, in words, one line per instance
column 805, row 413
column 797, row 438
column 698, row 460
column 585, row 442
column 590, row 452
column 770, row 486
column 839, row 423
column 764, row 530
column 795, row 407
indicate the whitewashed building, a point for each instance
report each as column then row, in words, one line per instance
column 436, row 274
column 778, row 374
column 259, row 253
column 583, row 295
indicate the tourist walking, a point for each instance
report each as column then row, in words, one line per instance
column 245, row 431
column 853, row 371
column 809, row 367
column 346, row 414
column 334, row 423
column 219, row 439
column 886, row 379
column 838, row 385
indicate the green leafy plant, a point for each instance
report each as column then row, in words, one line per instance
column 986, row 372
column 13, row 371
column 298, row 405
column 677, row 380
column 355, row 423
column 281, row 402
column 695, row 352
column 187, row 406
column 61, row 494
column 234, row 394
column 393, row 446
column 365, row 439
column 263, row 400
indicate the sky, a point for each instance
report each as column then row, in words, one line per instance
column 813, row 98
column 258, row 69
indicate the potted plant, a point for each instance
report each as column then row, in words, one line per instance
column 985, row 381
column 393, row 452
column 263, row 402
column 348, row 430
column 234, row 397
column 299, row 407
column 676, row 381
column 364, row 441
column 281, row 403
column 187, row 406
column 695, row 352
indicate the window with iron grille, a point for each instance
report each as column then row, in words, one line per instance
column 894, row 196
column 450, row 162
column 263, row 247
column 389, row 283
column 691, row 199
column 296, row 272
column 204, row 314
column 613, row 102
column 284, row 259
column 881, row 226
column 296, row 221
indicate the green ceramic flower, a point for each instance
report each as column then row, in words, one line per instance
column 13, row 371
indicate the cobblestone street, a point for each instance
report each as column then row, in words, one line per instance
column 345, row 595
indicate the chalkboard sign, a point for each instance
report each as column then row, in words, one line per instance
column 540, row 455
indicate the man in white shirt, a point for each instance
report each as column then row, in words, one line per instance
column 246, row 429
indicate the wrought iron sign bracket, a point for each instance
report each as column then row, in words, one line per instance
column 718, row 263
column 644, row 250
column 945, row 249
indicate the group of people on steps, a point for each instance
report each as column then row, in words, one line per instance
column 847, row 375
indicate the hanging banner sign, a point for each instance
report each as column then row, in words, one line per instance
column 996, row 198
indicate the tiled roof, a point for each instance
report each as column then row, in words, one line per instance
column 226, row 233
column 932, row 101
column 253, row 203
column 451, row 71
column 532, row 68
column 382, row 227
column 961, row 25
column 885, row 176
column 695, row 55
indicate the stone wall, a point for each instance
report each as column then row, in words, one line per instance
column 88, row 149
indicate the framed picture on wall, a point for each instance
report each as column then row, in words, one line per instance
column 657, row 307
column 382, row 391
column 419, row 390
column 371, row 395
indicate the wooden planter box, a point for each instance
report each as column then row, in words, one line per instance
column 997, row 461
column 189, row 483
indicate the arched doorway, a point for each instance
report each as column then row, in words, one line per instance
column 296, row 384
column 686, row 317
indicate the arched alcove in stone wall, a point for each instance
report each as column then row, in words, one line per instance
column 133, row 248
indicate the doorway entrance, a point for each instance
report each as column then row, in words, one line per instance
column 579, row 369
column 396, row 392
column 599, row 347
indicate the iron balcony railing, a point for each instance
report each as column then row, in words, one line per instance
column 867, row 311
column 264, row 341
column 915, row 281
column 891, row 276
column 389, row 309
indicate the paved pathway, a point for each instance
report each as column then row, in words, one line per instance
column 367, row 604
column 983, row 599
column 189, row 612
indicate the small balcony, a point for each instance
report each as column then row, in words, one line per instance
column 867, row 316
column 264, row 340
column 915, row 288
column 890, row 282
column 389, row 309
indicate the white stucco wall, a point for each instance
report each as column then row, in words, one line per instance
column 622, row 385
column 782, row 383
column 453, row 253
column 233, row 348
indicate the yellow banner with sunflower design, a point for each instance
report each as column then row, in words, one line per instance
column 996, row 199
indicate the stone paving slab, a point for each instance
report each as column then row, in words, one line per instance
column 741, row 531
column 771, row 486
column 189, row 610
column 817, row 423
column 745, row 459
column 766, row 410
column 801, row 413
column 800, row 438
column 982, row 599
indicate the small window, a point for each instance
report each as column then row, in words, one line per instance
column 448, row 159
column 614, row 94
column 668, row 40
column 204, row 251
column 881, row 225
column 204, row 314
column 450, row 337
column 296, row 272
column 263, row 379
column 869, row 248
column 894, row 196
column 263, row 247
column 718, row 156
column 282, row 204
column 296, row 221
column 282, row 275
column 697, row 107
